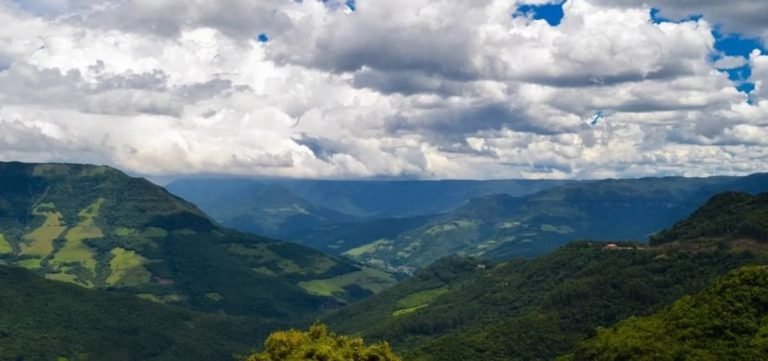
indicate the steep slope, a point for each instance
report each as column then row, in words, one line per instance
column 726, row 322
column 503, row 226
column 542, row 308
column 96, row 227
column 47, row 320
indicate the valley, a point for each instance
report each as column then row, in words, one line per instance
column 538, row 276
column 528, row 222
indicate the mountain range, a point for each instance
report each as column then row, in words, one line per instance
column 527, row 220
column 98, row 265
column 470, row 309
column 99, row 228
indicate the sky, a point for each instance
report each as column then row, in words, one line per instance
column 416, row 89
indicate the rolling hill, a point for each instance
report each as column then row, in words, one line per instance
column 467, row 309
column 99, row 228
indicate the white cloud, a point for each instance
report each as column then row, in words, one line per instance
column 419, row 88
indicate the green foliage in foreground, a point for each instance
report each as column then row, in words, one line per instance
column 43, row 320
column 318, row 344
column 726, row 322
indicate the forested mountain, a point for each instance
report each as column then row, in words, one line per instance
column 98, row 228
column 530, row 310
column 728, row 321
column 43, row 320
column 503, row 226
column 216, row 292
column 729, row 216
column 464, row 309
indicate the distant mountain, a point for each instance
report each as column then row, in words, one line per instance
column 467, row 309
column 504, row 226
column 47, row 320
column 98, row 228
column 266, row 209
column 726, row 322
column 365, row 199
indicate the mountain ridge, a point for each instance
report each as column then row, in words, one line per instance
column 99, row 228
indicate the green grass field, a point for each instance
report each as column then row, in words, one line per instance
column 40, row 241
column 418, row 300
column 5, row 247
column 62, row 277
column 369, row 279
column 367, row 248
column 405, row 311
column 74, row 250
column 127, row 269
column 29, row 263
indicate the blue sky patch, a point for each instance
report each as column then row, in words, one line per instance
column 346, row 5
column 656, row 18
column 737, row 45
column 551, row 13
column 725, row 45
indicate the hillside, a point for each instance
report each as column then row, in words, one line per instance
column 530, row 310
column 727, row 321
column 728, row 215
column 98, row 228
column 465, row 309
column 503, row 226
column 44, row 320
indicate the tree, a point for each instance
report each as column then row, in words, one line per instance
column 318, row 344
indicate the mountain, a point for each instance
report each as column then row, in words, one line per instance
column 503, row 226
column 726, row 322
column 260, row 208
column 48, row 320
column 358, row 199
column 530, row 309
column 538, row 309
column 495, row 219
column 725, row 216
column 99, row 228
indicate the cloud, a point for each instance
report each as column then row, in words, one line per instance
column 737, row 16
column 419, row 88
